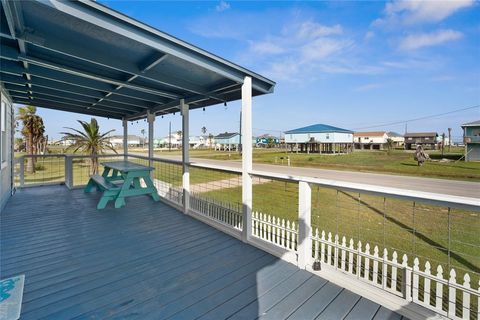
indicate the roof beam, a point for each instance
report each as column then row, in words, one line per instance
column 60, row 107
column 14, row 14
column 76, row 107
column 176, row 103
column 50, row 79
column 156, row 59
column 87, row 75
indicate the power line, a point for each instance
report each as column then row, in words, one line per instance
column 420, row 118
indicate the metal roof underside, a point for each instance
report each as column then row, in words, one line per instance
column 84, row 57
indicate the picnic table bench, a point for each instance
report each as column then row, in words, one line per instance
column 130, row 175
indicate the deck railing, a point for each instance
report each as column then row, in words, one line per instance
column 420, row 247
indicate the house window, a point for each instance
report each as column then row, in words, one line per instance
column 328, row 136
column 3, row 133
column 427, row 138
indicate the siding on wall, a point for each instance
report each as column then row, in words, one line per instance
column 6, row 171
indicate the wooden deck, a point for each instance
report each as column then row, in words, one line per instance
column 149, row 261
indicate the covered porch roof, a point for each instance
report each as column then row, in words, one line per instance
column 84, row 57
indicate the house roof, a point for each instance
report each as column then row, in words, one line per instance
column 369, row 134
column 471, row 124
column 319, row 128
column 421, row 134
column 226, row 135
column 81, row 56
column 394, row 134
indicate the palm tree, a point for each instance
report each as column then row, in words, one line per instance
column 90, row 141
column 204, row 130
column 33, row 131
column 390, row 145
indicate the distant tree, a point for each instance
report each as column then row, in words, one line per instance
column 390, row 145
column 33, row 131
column 90, row 141
column 204, row 130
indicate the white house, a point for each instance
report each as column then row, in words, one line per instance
column 320, row 138
column 397, row 138
column 372, row 140
column 132, row 140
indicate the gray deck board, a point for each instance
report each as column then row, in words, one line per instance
column 150, row 261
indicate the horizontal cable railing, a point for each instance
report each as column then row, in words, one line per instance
column 421, row 247
column 39, row 170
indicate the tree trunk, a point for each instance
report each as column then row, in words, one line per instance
column 94, row 165
column 30, row 160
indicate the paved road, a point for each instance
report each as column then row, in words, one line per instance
column 443, row 186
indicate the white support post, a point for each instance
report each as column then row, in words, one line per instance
column 304, row 246
column 69, row 171
column 125, row 139
column 151, row 121
column 185, row 155
column 247, row 159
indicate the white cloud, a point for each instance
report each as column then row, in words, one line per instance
column 222, row 6
column 368, row 87
column 266, row 47
column 312, row 30
column 414, row 12
column 420, row 40
column 369, row 35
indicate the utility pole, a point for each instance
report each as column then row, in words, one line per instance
column 449, row 138
column 169, row 136
column 443, row 143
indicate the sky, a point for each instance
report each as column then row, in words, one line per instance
column 355, row 65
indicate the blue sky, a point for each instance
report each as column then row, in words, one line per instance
column 348, row 64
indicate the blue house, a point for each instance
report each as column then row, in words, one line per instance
column 320, row 138
column 227, row 141
column 471, row 138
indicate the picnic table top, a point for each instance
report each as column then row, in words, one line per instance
column 126, row 166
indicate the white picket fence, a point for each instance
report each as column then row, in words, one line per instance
column 433, row 291
column 384, row 270
column 225, row 213
column 275, row 230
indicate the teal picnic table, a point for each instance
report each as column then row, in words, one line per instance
column 117, row 171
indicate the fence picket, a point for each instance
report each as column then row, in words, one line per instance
column 415, row 287
column 393, row 285
column 329, row 249
column 335, row 252
column 322, row 246
column 439, row 289
column 359, row 259
column 466, row 297
column 344, row 253
column 316, row 245
column 366, row 269
column 385, row 269
column 452, row 293
column 426, row 284
column 350, row 257
column 375, row 265
column 283, row 233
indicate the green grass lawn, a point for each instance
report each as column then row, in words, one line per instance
column 397, row 162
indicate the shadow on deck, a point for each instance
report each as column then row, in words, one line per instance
column 150, row 261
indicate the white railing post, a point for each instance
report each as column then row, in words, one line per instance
column 150, row 120
column 69, row 171
column 22, row 171
column 185, row 155
column 246, row 135
column 125, row 139
column 304, row 245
